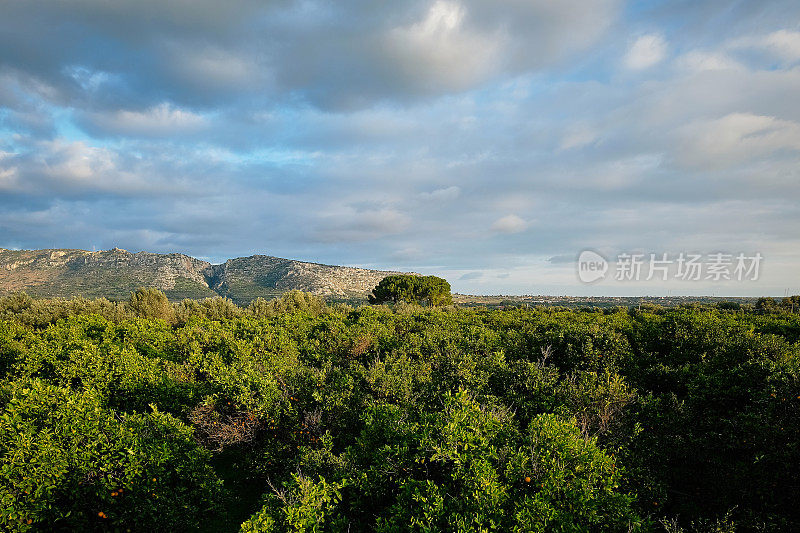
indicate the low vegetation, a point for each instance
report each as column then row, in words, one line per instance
column 295, row 415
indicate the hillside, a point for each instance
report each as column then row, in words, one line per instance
column 115, row 273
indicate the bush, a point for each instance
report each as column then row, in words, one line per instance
column 302, row 505
column 151, row 303
column 553, row 479
column 292, row 301
column 67, row 463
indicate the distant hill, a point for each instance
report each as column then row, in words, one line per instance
column 115, row 273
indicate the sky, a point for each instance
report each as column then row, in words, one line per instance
column 486, row 141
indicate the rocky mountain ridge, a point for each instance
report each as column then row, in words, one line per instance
column 114, row 273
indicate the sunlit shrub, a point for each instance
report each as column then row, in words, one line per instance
column 67, row 463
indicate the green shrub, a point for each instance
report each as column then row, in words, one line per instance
column 302, row 506
column 289, row 302
column 151, row 303
column 67, row 463
column 552, row 479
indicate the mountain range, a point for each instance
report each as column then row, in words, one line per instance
column 115, row 273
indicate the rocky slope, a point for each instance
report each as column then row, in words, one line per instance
column 246, row 278
column 114, row 273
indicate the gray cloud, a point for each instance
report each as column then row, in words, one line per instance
column 135, row 54
column 416, row 49
column 439, row 136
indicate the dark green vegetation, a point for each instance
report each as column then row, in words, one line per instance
column 292, row 415
column 424, row 290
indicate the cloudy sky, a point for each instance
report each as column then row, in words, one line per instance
column 487, row 141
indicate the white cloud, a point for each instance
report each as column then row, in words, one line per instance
column 578, row 137
column 157, row 121
column 442, row 48
column 646, row 51
column 736, row 138
column 509, row 224
column 700, row 61
column 782, row 44
column 77, row 162
column 73, row 168
column 442, row 195
column 785, row 44
column 8, row 171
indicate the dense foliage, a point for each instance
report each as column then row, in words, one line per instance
column 425, row 290
column 291, row 415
